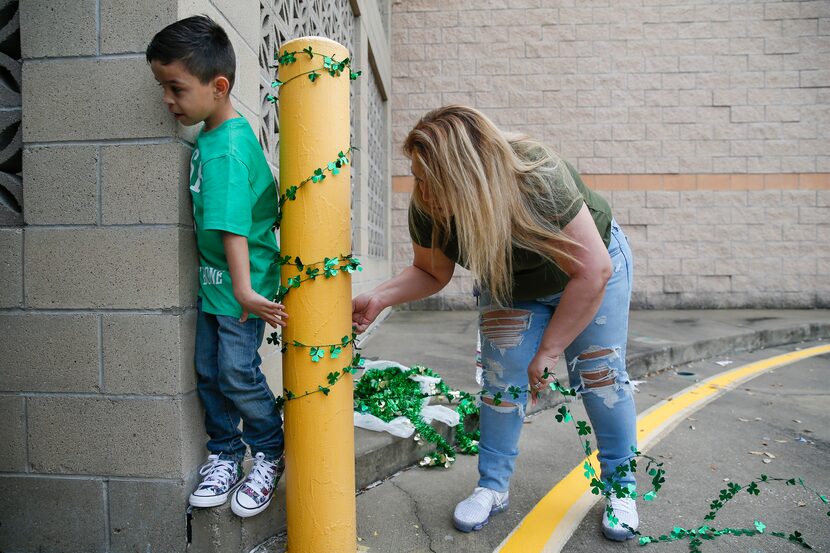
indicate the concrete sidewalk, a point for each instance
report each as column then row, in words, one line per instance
column 446, row 342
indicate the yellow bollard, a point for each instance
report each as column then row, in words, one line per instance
column 319, row 431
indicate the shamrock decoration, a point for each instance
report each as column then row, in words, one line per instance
column 330, row 65
column 317, row 354
column 564, row 415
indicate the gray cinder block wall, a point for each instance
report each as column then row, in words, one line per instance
column 102, row 432
column 706, row 123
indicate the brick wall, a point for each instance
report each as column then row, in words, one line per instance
column 706, row 124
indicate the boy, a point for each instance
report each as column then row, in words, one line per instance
column 234, row 211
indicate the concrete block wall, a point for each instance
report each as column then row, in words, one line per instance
column 11, row 139
column 372, row 123
column 706, row 124
column 103, row 433
column 737, row 248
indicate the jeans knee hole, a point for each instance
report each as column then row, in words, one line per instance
column 595, row 353
column 504, row 328
column 603, row 376
column 503, row 407
column 487, row 400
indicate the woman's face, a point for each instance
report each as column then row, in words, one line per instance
column 418, row 173
column 421, row 188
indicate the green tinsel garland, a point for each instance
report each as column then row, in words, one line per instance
column 390, row 393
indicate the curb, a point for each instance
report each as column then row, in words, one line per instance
column 660, row 359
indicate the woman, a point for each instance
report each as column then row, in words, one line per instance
column 555, row 272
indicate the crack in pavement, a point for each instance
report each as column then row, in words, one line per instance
column 417, row 516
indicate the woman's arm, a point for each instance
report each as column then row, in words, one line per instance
column 582, row 295
column 430, row 271
column 584, row 291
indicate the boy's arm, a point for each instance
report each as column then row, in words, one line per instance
column 236, row 252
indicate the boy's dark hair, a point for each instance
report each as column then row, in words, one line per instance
column 200, row 44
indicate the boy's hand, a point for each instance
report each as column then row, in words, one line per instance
column 271, row 312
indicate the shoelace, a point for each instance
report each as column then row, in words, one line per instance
column 622, row 506
column 217, row 472
column 490, row 499
column 262, row 474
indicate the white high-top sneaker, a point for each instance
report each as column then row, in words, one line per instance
column 475, row 511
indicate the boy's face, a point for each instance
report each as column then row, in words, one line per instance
column 188, row 100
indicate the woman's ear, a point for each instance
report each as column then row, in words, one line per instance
column 221, row 87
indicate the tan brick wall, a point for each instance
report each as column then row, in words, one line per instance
column 707, row 126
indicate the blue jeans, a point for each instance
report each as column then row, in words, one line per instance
column 511, row 337
column 232, row 388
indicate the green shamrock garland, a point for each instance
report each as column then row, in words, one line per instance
column 318, row 175
column 696, row 536
column 331, row 267
column 317, row 353
column 330, row 66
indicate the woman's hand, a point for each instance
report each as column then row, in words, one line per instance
column 541, row 363
column 365, row 309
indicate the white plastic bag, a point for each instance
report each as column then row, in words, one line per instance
column 441, row 413
column 399, row 426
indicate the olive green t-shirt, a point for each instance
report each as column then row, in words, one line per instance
column 534, row 276
column 233, row 191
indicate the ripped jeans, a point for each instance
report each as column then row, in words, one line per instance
column 510, row 338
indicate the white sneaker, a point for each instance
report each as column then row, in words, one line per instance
column 220, row 476
column 626, row 512
column 255, row 493
column 474, row 512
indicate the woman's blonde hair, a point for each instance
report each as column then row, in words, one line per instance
column 497, row 191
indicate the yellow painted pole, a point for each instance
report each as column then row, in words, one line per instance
column 319, row 431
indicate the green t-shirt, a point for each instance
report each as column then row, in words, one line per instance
column 233, row 191
column 534, row 276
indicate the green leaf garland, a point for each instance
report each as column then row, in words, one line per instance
column 330, row 65
column 317, row 176
column 332, row 266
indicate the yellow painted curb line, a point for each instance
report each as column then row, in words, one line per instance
column 549, row 525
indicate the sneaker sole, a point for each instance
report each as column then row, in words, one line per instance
column 244, row 512
column 202, row 501
column 617, row 535
column 466, row 528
